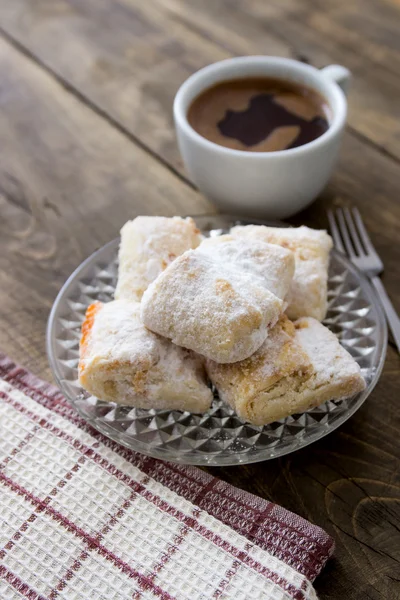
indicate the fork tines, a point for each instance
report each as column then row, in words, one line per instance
column 349, row 233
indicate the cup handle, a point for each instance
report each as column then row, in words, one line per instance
column 339, row 75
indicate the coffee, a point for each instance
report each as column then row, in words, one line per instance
column 259, row 114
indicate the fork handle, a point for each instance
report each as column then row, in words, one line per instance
column 391, row 314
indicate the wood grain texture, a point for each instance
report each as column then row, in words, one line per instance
column 133, row 56
column 360, row 35
column 125, row 52
column 127, row 58
column 68, row 181
column 86, row 90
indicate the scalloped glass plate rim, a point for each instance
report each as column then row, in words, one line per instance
column 215, row 459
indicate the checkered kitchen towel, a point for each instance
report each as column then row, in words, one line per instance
column 83, row 518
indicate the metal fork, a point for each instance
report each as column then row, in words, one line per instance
column 351, row 238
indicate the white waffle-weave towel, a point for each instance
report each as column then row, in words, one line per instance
column 79, row 519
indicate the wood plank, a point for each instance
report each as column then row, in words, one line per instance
column 127, row 54
column 132, row 73
column 319, row 32
column 68, row 181
column 127, row 58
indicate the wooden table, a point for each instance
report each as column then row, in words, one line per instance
column 87, row 142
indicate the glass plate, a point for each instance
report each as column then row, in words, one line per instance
column 217, row 437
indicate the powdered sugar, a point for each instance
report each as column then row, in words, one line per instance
column 215, row 300
column 331, row 362
column 125, row 362
column 311, row 247
column 296, row 368
column 221, row 300
column 148, row 246
column 254, row 387
column 271, row 264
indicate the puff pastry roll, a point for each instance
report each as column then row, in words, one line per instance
column 311, row 247
column 148, row 245
column 215, row 300
column 121, row 361
column 299, row 366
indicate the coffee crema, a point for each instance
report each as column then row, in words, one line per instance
column 259, row 114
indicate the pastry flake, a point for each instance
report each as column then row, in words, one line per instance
column 122, row 361
column 299, row 366
column 259, row 388
column 148, row 245
column 336, row 374
column 311, row 248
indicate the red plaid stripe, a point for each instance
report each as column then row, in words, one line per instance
column 301, row 545
column 305, row 547
column 139, row 489
column 91, row 541
column 229, row 575
column 19, row 585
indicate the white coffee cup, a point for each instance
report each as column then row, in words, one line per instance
column 267, row 184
